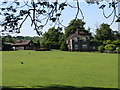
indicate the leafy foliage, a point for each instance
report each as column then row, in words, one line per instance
column 101, row 48
column 73, row 26
column 104, row 33
column 107, row 42
column 118, row 49
column 10, row 39
column 110, row 47
column 64, row 46
column 52, row 37
column 116, row 42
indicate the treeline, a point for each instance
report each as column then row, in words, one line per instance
column 10, row 39
column 54, row 38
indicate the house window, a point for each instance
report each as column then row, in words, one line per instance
column 93, row 47
column 84, row 46
column 76, row 47
column 84, row 39
column 75, row 39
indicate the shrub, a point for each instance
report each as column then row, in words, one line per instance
column 64, row 47
column 116, row 42
column 101, row 48
column 110, row 47
column 118, row 49
column 107, row 42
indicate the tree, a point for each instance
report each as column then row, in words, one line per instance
column 7, row 39
column 38, row 43
column 14, row 14
column 52, row 38
column 116, row 35
column 101, row 48
column 104, row 33
column 73, row 26
column 64, row 46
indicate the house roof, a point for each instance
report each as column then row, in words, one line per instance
column 76, row 34
column 69, row 37
column 21, row 42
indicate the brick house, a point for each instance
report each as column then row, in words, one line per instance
column 81, row 41
column 23, row 45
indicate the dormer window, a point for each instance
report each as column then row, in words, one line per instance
column 75, row 39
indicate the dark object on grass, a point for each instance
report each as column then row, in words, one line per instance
column 22, row 63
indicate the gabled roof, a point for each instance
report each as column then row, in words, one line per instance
column 76, row 34
column 21, row 42
column 69, row 37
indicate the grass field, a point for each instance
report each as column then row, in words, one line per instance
column 45, row 68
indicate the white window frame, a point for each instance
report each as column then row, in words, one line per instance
column 84, row 46
column 84, row 39
column 93, row 47
column 75, row 39
column 76, row 47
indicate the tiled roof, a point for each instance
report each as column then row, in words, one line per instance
column 76, row 34
column 21, row 42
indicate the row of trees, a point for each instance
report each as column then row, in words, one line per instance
column 10, row 39
column 55, row 38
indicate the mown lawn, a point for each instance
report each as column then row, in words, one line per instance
column 45, row 68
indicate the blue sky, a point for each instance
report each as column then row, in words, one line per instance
column 92, row 16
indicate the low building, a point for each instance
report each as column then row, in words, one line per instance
column 81, row 41
column 23, row 45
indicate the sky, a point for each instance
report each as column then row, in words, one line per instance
column 93, row 17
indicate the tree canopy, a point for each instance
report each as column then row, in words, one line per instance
column 52, row 37
column 73, row 26
column 104, row 33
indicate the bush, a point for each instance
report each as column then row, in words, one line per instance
column 101, row 48
column 107, row 42
column 64, row 47
column 118, row 49
column 116, row 42
column 110, row 47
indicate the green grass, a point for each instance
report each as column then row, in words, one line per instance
column 45, row 68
